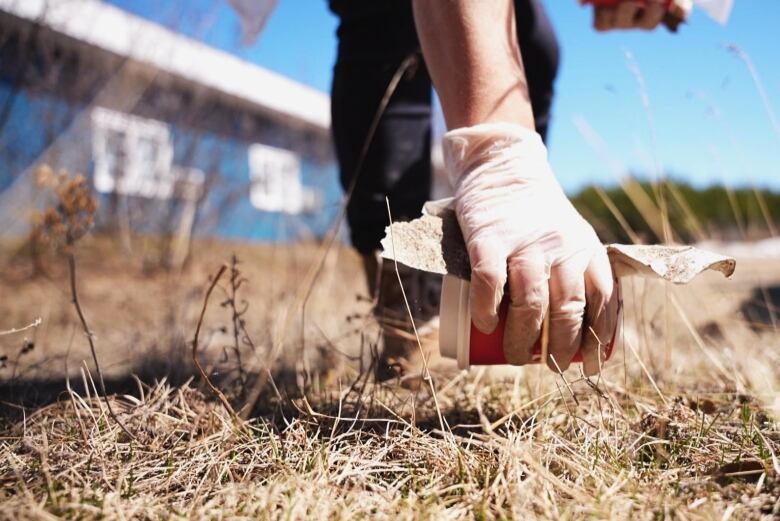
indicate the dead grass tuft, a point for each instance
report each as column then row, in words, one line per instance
column 611, row 456
column 689, row 433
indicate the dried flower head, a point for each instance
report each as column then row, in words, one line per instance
column 71, row 215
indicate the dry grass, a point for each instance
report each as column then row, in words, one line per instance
column 618, row 457
column 689, row 433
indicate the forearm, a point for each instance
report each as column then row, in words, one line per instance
column 472, row 54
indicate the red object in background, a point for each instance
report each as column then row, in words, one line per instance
column 613, row 3
column 489, row 349
column 675, row 13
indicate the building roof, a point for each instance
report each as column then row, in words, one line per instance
column 117, row 31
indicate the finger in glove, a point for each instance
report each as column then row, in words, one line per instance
column 488, row 277
column 567, row 307
column 600, row 312
column 529, row 274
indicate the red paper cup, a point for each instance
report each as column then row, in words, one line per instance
column 461, row 340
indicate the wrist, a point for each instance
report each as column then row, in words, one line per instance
column 499, row 148
column 476, row 108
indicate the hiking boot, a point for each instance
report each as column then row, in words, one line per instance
column 400, row 354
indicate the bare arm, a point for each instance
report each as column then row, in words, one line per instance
column 520, row 230
column 471, row 50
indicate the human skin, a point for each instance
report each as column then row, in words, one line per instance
column 473, row 57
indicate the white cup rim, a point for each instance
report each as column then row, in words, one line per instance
column 455, row 320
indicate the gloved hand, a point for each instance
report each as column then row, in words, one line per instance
column 520, row 227
column 638, row 14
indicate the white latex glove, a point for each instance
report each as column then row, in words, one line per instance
column 638, row 14
column 520, row 227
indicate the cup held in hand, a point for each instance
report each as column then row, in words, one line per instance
column 459, row 339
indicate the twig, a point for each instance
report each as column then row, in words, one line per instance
column 426, row 372
column 313, row 274
column 90, row 338
column 647, row 373
column 775, row 461
column 13, row 330
column 206, row 379
column 410, row 61
column 238, row 310
column 565, row 381
column 700, row 342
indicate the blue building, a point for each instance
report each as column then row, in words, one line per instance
column 174, row 135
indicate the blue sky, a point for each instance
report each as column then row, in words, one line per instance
column 709, row 122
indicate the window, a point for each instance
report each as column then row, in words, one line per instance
column 132, row 155
column 276, row 181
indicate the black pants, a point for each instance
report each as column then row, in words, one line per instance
column 375, row 36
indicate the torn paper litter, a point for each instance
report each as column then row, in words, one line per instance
column 434, row 243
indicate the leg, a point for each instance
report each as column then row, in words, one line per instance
column 374, row 38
